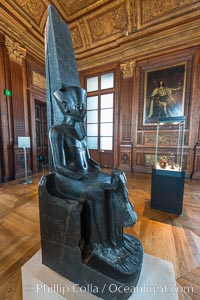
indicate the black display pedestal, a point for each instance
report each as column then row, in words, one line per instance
column 167, row 190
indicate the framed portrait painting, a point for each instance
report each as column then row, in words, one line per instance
column 164, row 93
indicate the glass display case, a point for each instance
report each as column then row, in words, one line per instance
column 170, row 160
column 167, row 185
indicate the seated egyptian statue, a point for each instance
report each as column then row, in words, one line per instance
column 78, row 176
column 82, row 210
column 101, row 201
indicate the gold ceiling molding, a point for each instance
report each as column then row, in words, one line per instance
column 15, row 51
column 131, row 16
column 84, row 34
column 38, row 80
column 137, row 46
column 72, row 7
column 128, row 69
column 14, row 12
column 72, row 11
column 34, row 46
column 10, row 24
column 160, row 41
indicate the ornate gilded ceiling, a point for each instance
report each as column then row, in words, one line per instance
column 96, row 25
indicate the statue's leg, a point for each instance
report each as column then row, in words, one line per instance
column 116, row 218
column 96, row 216
column 107, row 209
column 120, row 195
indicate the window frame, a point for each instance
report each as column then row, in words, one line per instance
column 98, row 93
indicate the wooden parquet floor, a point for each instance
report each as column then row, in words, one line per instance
column 166, row 236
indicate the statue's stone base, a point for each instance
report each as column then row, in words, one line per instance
column 83, row 241
column 157, row 282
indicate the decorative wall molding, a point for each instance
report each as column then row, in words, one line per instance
column 38, row 80
column 108, row 23
column 165, row 139
column 171, row 38
column 126, row 132
column 15, row 51
column 33, row 8
column 149, row 159
column 125, row 157
column 128, row 69
column 76, row 38
column 159, row 8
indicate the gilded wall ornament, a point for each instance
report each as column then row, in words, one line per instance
column 128, row 69
column 38, row 80
column 109, row 23
column 156, row 8
column 118, row 19
column 76, row 38
column 125, row 158
column 34, row 8
column 98, row 28
column 166, row 139
column 22, row 2
column 149, row 159
column 149, row 139
column 15, row 51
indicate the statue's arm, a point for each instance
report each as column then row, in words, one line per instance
column 92, row 163
column 59, row 155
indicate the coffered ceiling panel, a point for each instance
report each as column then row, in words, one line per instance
column 154, row 11
column 35, row 9
column 157, row 8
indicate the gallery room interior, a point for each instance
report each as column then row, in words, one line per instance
column 139, row 62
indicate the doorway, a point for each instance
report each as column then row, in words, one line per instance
column 41, row 133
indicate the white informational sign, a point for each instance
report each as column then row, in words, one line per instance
column 24, row 142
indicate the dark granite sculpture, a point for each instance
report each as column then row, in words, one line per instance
column 82, row 210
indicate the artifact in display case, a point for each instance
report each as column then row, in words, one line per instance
column 167, row 175
column 172, row 160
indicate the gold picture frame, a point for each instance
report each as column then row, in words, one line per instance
column 164, row 92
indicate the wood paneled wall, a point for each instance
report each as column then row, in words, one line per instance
column 158, row 36
column 145, row 136
column 136, row 143
column 16, row 117
column 195, row 116
column 125, row 130
column 5, row 118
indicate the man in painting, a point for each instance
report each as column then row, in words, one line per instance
column 162, row 101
